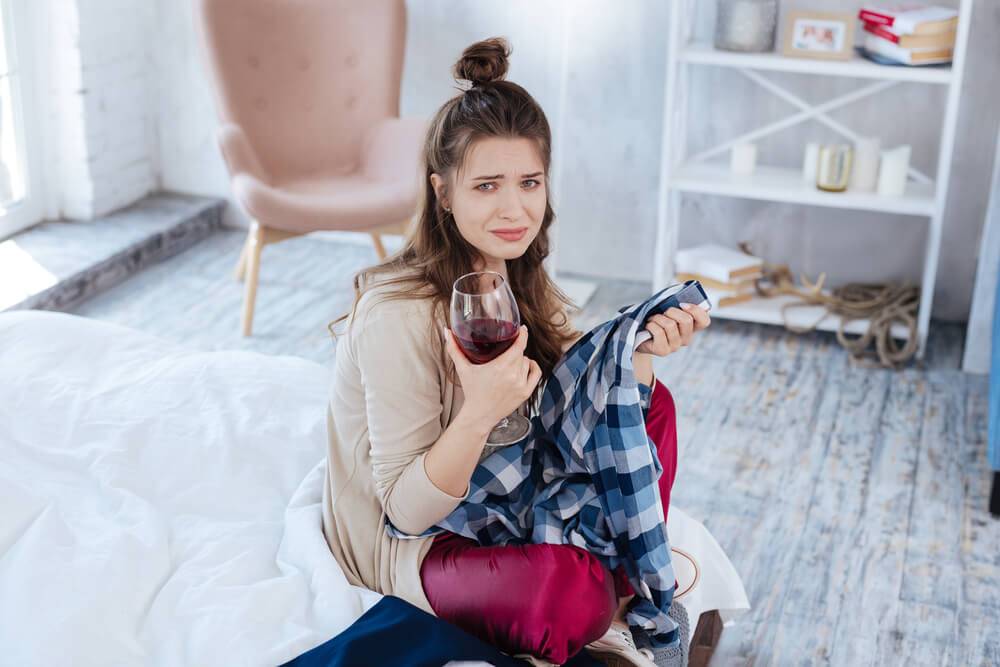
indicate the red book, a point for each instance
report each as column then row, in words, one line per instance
column 877, row 29
column 873, row 17
column 910, row 18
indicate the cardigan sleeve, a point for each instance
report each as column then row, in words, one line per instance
column 399, row 373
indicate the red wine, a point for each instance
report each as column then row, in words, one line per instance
column 484, row 339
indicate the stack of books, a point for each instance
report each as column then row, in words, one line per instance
column 908, row 33
column 727, row 275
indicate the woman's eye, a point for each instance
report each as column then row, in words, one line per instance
column 482, row 186
column 532, row 181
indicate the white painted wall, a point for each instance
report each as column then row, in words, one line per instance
column 977, row 357
column 118, row 101
column 99, row 105
column 190, row 160
column 67, row 176
column 604, row 103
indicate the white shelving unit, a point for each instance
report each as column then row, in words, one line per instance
column 680, row 172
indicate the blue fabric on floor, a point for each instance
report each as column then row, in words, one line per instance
column 395, row 632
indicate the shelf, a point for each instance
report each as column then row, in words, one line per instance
column 786, row 185
column 856, row 67
column 768, row 311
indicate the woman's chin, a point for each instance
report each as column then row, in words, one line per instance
column 510, row 253
column 510, row 250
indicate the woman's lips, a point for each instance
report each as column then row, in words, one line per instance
column 511, row 235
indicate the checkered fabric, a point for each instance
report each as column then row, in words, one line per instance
column 586, row 475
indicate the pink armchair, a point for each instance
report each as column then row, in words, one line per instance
column 308, row 94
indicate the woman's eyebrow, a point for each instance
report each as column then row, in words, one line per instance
column 500, row 176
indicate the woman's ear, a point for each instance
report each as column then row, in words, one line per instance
column 440, row 190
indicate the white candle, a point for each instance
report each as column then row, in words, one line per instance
column 743, row 158
column 809, row 163
column 892, row 171
column 864, row 175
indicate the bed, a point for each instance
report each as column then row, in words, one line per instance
column 161, row 505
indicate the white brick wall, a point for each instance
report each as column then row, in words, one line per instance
column 102, row 152
column 66, row 172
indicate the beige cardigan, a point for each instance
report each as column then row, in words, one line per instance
column 389, row 402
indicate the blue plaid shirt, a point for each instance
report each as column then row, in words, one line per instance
column 586, row 475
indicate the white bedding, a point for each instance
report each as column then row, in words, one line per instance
column 160, row 505
column 153, row 508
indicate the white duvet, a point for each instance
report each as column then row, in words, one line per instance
column 161, row 506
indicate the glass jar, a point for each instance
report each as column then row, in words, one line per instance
column 746, row 25
column 833, row 170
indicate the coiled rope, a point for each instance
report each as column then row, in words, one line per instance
column 884, row 305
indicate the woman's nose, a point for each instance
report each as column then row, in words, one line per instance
column 511, row 206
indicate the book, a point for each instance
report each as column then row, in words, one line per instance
column 910, row 18
column 936, row 40
column 880, row 59
column 744, row 285
column 875, row 44
column 718, row 263
column 722, row 293
column 722, row 299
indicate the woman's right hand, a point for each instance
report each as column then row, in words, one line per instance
column 495, row 389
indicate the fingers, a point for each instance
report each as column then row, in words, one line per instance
column 701, row 317
column 660, row 343
column 517, row 349
column 522, row 337
column 685, row 323
column 534, row 376
column 674, row 329
column 673, row 333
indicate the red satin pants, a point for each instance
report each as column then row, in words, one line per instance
column 549, row 600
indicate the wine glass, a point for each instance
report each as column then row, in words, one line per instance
column 485, row 322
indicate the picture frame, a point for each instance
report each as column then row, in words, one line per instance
column 824, row 35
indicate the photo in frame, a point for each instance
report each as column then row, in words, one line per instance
column 826, row 35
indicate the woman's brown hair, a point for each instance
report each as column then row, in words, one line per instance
column 435, row 254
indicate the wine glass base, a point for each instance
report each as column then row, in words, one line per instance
column 515, row 430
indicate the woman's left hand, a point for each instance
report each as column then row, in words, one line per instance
column 674, row 329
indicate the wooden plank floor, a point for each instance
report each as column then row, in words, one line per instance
column 850, row 498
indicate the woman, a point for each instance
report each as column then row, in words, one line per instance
column 409, row 415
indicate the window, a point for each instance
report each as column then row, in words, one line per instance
column 20, row 200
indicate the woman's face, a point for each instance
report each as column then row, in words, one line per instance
column 497, row 198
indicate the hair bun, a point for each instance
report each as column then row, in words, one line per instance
column 484, row 61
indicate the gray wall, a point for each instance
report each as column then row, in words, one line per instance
column 979, row 334
column 604, row 96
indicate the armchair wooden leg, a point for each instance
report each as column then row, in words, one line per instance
column 249, row 265
column 254, row 245
column 400, row 229
column 241, row 263
column 379, row 248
